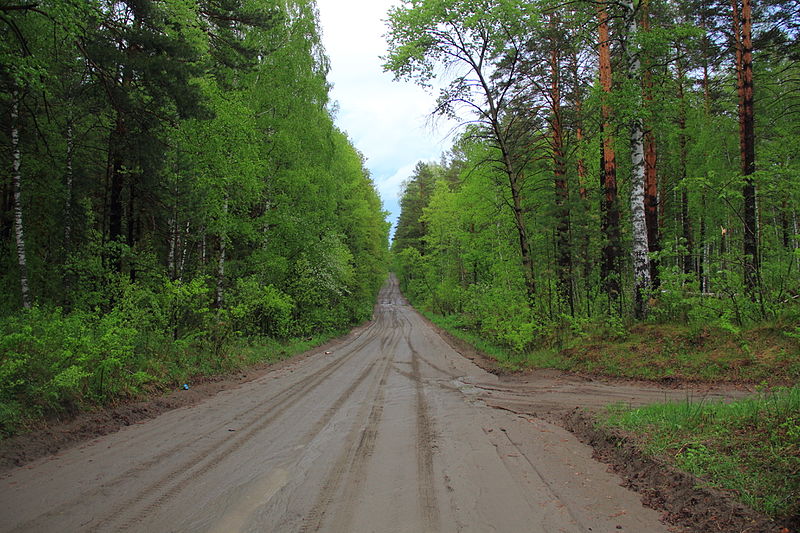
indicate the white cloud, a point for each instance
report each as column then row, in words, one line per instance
column 387, row 120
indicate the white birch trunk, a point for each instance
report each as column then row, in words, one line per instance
column 17, row 183
column 182, row 243
column 641, row 261
column 173, row 237
column 220, row 300
column 704, row 279
column 69, row 180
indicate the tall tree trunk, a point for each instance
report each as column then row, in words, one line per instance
column 641, row 262
column 524, row 247
column 132, row 223
column 184, row 246
column 785, row 225
column 203, row 248
column 651, row 176
column 16, row 178
column 610, row 272
column 69, row 179
column 701, row 270
column 116, row 175
column 223, row 237
column 173, row 245
column 582, row 192
column 742, row 30
column 686, row 227
column 564, row 255
column 704, row 259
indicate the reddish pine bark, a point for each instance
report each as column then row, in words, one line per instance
column 651, row 177
column 608, row 171
column 742, row 31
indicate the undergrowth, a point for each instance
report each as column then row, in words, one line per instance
column 750, row 447
column 760, row 354
column 54, row 362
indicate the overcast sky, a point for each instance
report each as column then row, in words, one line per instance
column 386, row 120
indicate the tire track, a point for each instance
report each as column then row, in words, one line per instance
column 351, row 463
column 556, row 494
column 252, row 412
column 255, row 413
column 177, row 478
column 216, row 460
column 425, row 443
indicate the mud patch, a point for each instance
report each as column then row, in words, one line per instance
column 569, row 399
column 682, row 497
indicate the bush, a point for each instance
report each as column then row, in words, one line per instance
column 52, row 362
column 259, row 309
column 504, row 316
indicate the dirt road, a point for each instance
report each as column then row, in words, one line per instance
column 392, row 431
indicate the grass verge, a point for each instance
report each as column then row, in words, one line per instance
column 30, row 400
column 749, row 447
column 657, row 352
column 266, row 350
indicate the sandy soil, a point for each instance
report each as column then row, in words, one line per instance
column 392, row 431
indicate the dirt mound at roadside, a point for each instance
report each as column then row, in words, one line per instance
column 57, row 435
column 680, row 495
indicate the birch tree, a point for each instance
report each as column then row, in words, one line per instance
column 640, row 248
column 16, row 176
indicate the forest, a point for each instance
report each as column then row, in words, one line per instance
column 620, row 165
column 176, row 201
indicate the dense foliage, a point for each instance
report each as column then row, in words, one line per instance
column 569, row 108
column 175, row 185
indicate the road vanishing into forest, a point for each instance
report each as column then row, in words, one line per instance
column 389, row 432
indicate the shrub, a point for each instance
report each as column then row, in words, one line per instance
column 259, row 309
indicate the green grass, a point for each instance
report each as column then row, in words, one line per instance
column 29, row 393
column 651, row 351
column 505, row 358
column 750, row 447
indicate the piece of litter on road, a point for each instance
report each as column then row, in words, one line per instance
column 229, row 429
column 185, row 387
column 328, row 353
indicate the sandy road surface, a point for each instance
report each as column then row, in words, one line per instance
column 390, row 432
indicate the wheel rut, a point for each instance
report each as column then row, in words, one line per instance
column 177, row 478
column 351, row 463
column 425, row 446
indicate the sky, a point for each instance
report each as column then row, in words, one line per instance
column 386, row 120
